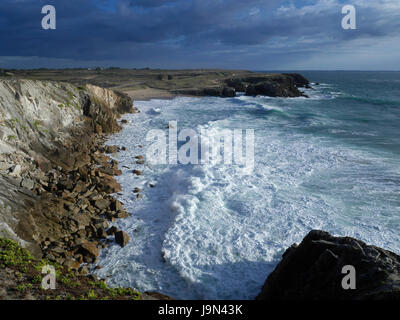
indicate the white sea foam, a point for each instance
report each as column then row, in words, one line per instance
column 213, row 232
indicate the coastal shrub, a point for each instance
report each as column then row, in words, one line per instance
column 11, row 254
column 36, row 124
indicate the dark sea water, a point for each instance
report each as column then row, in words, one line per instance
column 330, row 162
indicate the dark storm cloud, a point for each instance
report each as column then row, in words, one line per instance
column 193, row 33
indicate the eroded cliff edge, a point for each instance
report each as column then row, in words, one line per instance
column 52, row 166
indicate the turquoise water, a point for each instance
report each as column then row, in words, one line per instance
column 329, row 162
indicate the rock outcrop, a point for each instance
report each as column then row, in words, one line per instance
column 272, row 85
column 313, row 271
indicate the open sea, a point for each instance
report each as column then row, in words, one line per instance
column 213, row 231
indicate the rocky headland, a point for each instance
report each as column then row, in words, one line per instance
column 143, row 84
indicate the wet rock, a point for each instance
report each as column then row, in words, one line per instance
column 112, row 230
column 101, row 233
column 116, row 205
column 109, row 185
column 111, row 149
column 89, row 249
column 137, row 190
column 122, row 214
column 137, row 172
column 122, row 238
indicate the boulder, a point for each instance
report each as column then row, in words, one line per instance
column 112, row 230
column 122, row 238
column 121, row 214
column 313, row 270
column 89, row 249
column 116, row 205
column 111, row 149
column 102, row 204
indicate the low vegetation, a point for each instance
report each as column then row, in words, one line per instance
column 26, row 276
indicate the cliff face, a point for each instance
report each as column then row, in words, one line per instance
column 46, row 127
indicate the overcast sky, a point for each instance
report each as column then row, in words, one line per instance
column 244, row 34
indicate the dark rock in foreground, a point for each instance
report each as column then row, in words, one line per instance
column 313, row 271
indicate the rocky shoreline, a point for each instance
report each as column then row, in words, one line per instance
column 57, row 181
column 56, row 190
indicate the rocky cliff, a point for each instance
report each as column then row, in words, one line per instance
column 52, row 170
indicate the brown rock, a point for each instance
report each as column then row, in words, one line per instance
column 72, row 264
column 121, row 214
column 83, row 270
column 101, row 233
column 137, row 172
column 122, row 238
column 89, row 249
column 116, row 205
column 102, row 204
column 109, row 184
column 111, row 149
column 112, row 230
column 80, row 187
